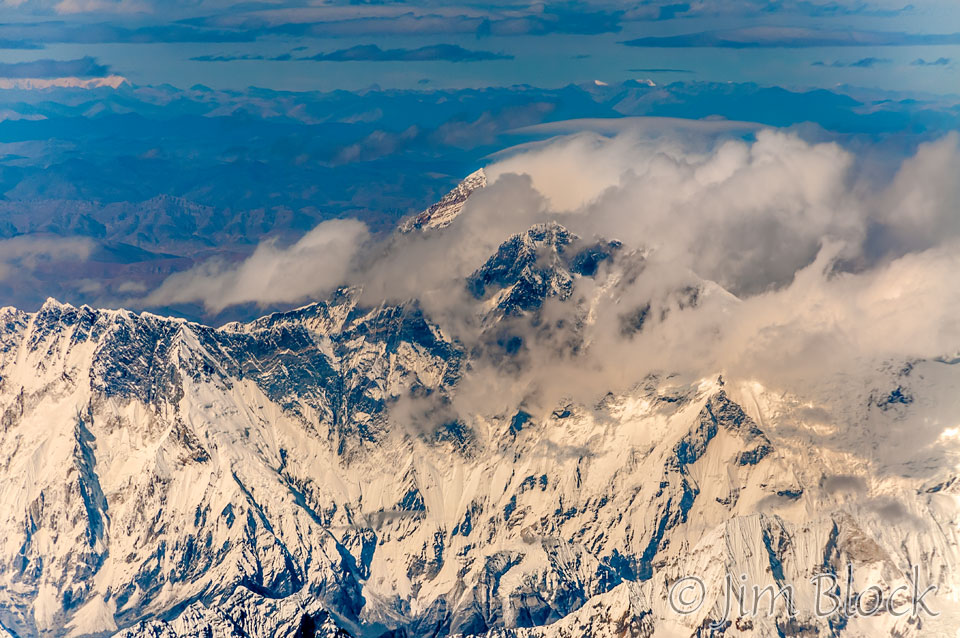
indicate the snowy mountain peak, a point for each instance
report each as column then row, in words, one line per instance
column 443, row 213
column 531, row 266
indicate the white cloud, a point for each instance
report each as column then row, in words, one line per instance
column 746, row 215
column 920, row 208
column 306, row 270
column 24, row 253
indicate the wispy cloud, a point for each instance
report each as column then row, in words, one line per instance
column 373, row 53
column 656, row 70
column 206, row 21
column 242, row 57
column 102, row 6
column 862, row 63
column 937, row 62
column 33, row 35
column 794, row 37
column 834, row 9
column 19, row 44
column 23, row 254
column 85, row 67
column 331, row 21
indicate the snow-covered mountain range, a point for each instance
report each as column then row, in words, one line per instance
column 308, row 473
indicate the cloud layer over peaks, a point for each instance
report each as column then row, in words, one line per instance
column 767, row 259
column 827, row 269
column 799, row 261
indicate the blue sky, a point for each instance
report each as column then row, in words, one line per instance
column 889, row 44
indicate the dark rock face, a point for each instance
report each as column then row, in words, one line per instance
column 532, row 266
